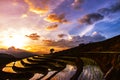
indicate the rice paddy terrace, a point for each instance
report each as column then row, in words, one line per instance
column 105, row 55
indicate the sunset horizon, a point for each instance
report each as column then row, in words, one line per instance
column 39, row 25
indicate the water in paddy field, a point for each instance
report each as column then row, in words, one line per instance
column 89, row 73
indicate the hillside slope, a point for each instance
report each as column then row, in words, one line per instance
column 109, row 45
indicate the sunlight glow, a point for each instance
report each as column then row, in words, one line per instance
column 16, row 41
column 89, row 28
column 8, row 69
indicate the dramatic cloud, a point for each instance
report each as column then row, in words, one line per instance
column 33, row 36
column 115, row 7
column 77, row 4
column 52, row 27
column 97, row 36
column 38, row 9
column 104, row 11
column 48, row 42
column 112, row 9
column 75, row 41
column 56, row 18
column 91, row 18
column 61, row 35
column 60, row 43
column 44, row 19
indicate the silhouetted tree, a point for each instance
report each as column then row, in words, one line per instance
column 52, row 51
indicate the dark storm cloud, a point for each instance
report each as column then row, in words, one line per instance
column 104, row 11
column 33, row 36
column 115, row 7
column 112, row 9
column 91, row 18
column 77, row 4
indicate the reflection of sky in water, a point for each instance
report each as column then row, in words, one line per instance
column 89, row 73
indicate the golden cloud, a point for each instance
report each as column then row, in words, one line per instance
column 46, row 42
column 37, row 9
column 56, row 18
column 33, row 36
column 60, row 43
column 52, row 27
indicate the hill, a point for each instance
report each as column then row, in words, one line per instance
column 6, row 58
column 18, row 53
column 105, row 53
column 86, row 54
column 109, row 45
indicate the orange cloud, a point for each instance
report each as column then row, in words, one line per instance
column 56, row 18
column 52, row 27
column 47, row 42
column 33, row 36
column 60, row 43
column 37, row 9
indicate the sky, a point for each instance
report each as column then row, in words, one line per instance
column 39, row 25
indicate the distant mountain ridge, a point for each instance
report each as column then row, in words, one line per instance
column 18, row 53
